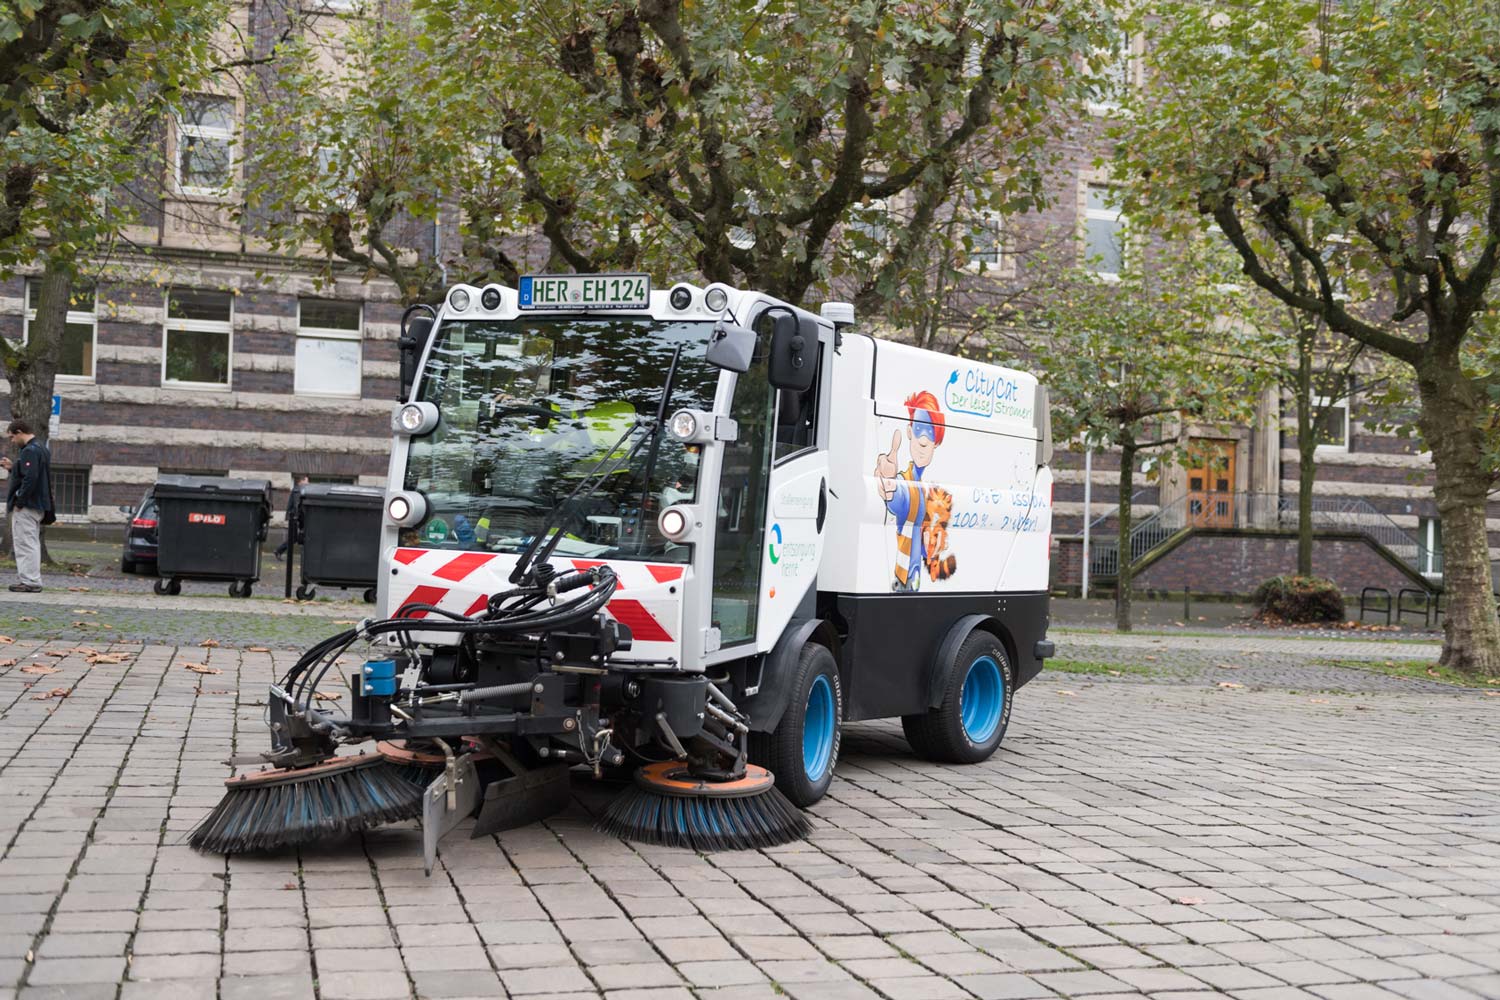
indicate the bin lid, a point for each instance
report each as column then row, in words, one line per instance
column 342, row 495
column 198, row 487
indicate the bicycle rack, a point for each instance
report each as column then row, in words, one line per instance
column 1363, row 594
column 1401, row 609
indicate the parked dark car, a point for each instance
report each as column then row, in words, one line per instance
column 139, row 555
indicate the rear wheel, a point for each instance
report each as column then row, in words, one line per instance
column 306, row 593
column 127, row 565
column 370, row 596
column 969, row 723
column 804, row 747
column 162, row 587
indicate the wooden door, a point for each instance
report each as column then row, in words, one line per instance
column 1210, row 484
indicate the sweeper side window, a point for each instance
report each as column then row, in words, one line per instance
column 531, row 406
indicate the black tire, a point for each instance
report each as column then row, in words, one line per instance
column 306, row 593
column 128, row 566
column 940, row 734
column 175, row 587
column 781, row 750
column 370, row 596
column 162, row 587
column 239, row 588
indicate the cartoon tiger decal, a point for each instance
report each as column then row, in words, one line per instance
column 935, row 534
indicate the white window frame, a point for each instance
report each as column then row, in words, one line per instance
column 329, row 333
column 91, row 318
column 1090, row 214
column 1319, row 402
column 226, row 327
column 1130, row 56
column 994, row 221
column 1429, row 530
column 186, row 131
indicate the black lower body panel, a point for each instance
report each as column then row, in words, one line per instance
column 891, row 640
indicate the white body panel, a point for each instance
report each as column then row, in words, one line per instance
column 983, row 474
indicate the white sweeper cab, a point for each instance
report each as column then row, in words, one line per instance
column 680, row 535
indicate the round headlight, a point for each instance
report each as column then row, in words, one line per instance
column 459, row 299
column 716, row 299
column 410, row 418
column 399, row 509
column 490, row 298
column 681, row 297
column 673, row 523
column 683, row 425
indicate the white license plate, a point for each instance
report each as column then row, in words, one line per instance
column 585, row 291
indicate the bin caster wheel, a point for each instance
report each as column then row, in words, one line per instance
column 370, row 596
column 306, row 593
column 238, row 589
column 175, row 587
column 162, row 587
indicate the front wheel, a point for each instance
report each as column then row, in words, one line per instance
column 305, row 593
column 804, row 747
column 969, row 723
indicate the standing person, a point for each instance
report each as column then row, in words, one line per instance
column 291, row 516
column 28, row 499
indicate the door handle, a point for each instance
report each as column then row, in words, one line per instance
column 822, row 503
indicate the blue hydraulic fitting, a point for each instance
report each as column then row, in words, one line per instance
column 378, row 679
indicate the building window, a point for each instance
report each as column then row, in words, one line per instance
column 198, row 339
column 1114, row 75
column 986, row 249
column 205, row 144
column 1104, row 231
column 70, row 490
column 1430, row 537
column 1331, row 412
column 328, row 348
column 76, row 359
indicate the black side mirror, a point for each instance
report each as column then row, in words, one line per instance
column 794, row 345
column 415, row 331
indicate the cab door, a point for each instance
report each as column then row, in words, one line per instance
column 772, row 498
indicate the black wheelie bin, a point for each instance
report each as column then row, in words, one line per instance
column 210, row 528
column 338, row 528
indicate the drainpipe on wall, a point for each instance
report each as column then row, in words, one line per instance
column 1088, row 513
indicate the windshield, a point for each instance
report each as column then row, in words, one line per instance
column 529, row 407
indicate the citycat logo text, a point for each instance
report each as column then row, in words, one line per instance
column 984, row 394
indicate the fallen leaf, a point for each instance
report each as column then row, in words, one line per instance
column 209, row 643
column 1492, row 694
column 6, row 640
column 1229, row 666
column 1070, row 694
column 58, row 652
column 106, row 658
column 26, row 618
column 257, row 649
column 39, row 668
column 290, row 885
column 1151, row 658
column 1319, row 701
column 106, row 625
column 345, row 621
column 8, row 663
column 1230, row 684
column 84, row 611
column 327, row 695
column 1190, row 900
column 201, row 691
column 79, row 590
column 80, row 624
column 1180, row 624
column 54, row 693
column 201, row 668
column 1115, row 673
column 1431, row 672
column 1361, row 708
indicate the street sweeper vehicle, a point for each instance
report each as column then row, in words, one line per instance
column 677, row 536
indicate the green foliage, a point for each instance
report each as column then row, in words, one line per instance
column 779, row 145
column 1299, row 600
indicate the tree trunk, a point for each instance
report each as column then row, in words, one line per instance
column 1307, row 444
column 1126, row 557
column 32, row 369
column 1454, row 411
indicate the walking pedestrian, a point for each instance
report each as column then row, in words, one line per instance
column 29, row 500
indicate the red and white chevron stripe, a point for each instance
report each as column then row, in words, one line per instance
column 648, row 598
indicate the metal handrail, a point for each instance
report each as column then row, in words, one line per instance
column 1265, row 511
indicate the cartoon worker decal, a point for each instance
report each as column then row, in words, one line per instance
column 922, row 514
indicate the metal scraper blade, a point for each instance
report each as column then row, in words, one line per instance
column 437, row 818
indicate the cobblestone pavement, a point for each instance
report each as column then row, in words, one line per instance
column 1165, row 839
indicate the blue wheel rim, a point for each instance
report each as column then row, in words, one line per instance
column 818, row 725
column 982, row 699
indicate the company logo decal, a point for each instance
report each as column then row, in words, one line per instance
column 196, row 518
column 771, row 547
column 984, row 394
